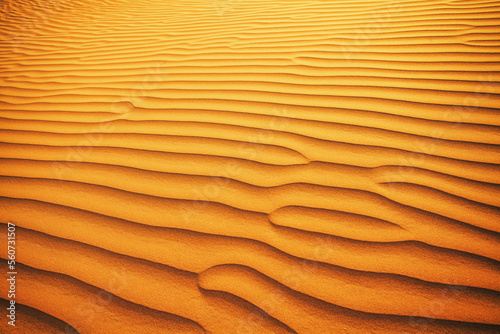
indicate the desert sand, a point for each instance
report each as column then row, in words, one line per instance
column 251, row 166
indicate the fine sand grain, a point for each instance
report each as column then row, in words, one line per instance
column 251, row 166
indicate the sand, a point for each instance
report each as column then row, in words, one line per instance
column 251, row 166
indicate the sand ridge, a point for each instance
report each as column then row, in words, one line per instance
column 251, row 166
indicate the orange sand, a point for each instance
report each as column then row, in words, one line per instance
column 251, row 166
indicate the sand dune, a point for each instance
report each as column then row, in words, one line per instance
column 252, row 166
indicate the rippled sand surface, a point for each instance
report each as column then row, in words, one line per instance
column 251, row 166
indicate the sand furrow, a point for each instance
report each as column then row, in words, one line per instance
column 36, row 322
column 289, row 271
column 254, row 150
column 286, row 304
column 251, row 172
column 251, row 166
column 90, row 309
column 241, row 89
column 251, row 79
column 169, row 288
column 224, row 189
column 279, row 118
column 480, row 77
column 291, row 133
column 192, row 220
column 306, row 246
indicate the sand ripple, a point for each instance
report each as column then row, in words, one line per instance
column 252, row 166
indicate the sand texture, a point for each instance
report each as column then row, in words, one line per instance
column 251, row 166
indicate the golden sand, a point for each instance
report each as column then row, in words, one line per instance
column 251, row 166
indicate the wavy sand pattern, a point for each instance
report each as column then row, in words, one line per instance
column 251, row 166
